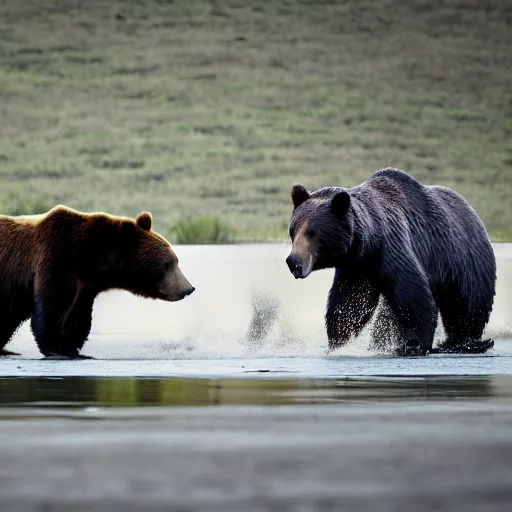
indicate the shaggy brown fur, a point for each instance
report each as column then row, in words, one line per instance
column 52, row 267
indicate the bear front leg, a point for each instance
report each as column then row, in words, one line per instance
column 409, row 296
column 52, row 311
column 78, row 322
column 351, row 303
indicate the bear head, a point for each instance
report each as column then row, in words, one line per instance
column 148, row 265
column 321, row 229
column 103, row 252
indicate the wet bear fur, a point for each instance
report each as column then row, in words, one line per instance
column 423, row 249
column 52, row 267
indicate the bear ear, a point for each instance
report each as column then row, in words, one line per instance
column 299, row 195
column 144, row 221
column 340, row 204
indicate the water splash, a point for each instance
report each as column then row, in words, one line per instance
column 247, row 304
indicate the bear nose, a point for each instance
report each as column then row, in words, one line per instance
column 295, row 265
column 186, row 292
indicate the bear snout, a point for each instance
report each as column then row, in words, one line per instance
column 186, row 293
column 175, row 286
column 294, row 263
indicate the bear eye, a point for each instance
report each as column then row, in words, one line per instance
column 168, row 265
column 310, row 233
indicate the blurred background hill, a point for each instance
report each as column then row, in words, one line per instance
column 211, row 110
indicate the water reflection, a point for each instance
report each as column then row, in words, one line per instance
column 113, row 392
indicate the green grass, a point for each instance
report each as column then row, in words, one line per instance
column 216, row 108
column 201, row 230
column 16, row 204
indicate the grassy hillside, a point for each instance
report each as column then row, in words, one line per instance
column 216, row 108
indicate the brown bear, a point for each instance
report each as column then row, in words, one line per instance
column 52, row 267
column 422, row 248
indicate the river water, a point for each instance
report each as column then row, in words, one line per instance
column 255, row 415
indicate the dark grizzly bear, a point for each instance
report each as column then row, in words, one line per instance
column 52, row 266
column 423, row 248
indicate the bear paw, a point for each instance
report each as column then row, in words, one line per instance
column 469, row 347
column 411, row 348
column 61, row 357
